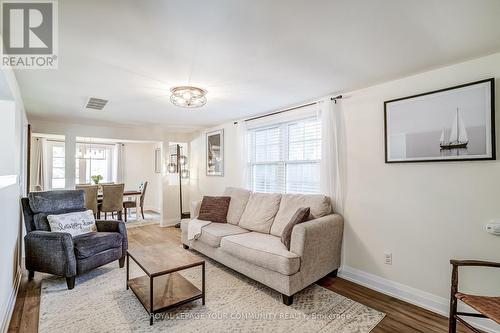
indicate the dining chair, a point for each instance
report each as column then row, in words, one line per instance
column 486, row 306
column 91, row 195
column 133, row 203
column 112, row 200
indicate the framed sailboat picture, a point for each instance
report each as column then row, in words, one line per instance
column 452, row 124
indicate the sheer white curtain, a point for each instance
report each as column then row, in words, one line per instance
column 332, row 153
column 242, row 134
column 118, row 163
column 39, row 178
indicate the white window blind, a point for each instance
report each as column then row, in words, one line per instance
column 285, row 158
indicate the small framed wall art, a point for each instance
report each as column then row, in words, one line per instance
column 215, row 153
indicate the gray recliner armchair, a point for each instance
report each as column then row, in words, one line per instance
column 59, row 253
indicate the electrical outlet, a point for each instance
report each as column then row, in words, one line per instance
column 388, row 258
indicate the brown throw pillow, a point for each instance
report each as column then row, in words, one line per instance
column 300, row 216
column 214, row 209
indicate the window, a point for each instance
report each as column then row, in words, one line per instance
column 93, row 160
column 285, row 158
column 55, row 164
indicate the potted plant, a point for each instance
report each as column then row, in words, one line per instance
column 96, row 179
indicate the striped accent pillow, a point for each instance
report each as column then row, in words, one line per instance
column 214, row 209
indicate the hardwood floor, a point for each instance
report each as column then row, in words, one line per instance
column 400, row 316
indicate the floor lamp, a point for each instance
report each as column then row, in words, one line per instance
column 178, row 165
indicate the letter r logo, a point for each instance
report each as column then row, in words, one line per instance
column 27, row 27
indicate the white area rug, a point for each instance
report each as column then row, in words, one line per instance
column 234, row 303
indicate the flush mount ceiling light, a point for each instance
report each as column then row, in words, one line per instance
column 188, row 97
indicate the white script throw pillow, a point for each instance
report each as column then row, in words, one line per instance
column 77, row 223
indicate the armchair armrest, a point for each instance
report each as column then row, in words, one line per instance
column 114, row 226
column 479, row 263
column 50, row 252
column 110, row 226
column 318, row 242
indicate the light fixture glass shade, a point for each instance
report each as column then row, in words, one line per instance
column 185, row 174
column 171, row 168
column 183, row 160
column 188, row 97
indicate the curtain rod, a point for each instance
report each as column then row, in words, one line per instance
column 289, row 109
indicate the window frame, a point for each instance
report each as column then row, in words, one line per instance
column 81, row 162
column 50, row 163
column 285, row 161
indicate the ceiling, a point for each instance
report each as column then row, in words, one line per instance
column 252, row 56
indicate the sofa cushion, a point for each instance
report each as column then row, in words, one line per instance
column 92, row 243
column 260, row 212
column 214, row 209
column 318, row 203
column 263, row 250
column 212, row 234
column 239, row 200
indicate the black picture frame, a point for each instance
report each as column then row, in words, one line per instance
column 492, row 136
column 215, row 159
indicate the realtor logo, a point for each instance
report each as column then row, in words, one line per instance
column 29, row 31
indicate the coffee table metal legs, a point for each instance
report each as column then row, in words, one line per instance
column 187, row 291
column 151, row 313
column 203, row 283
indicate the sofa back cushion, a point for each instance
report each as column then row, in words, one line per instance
column 319, row 205
column 260, row 212
column 239, row 200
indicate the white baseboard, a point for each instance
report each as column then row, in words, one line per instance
column 170, row 222
column 146, row 208
column 152, row 208
column 11, row 303
column 410, row 295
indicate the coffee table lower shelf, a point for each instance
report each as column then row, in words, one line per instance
column 169, row 290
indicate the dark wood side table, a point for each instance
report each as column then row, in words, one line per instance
column 163, row 288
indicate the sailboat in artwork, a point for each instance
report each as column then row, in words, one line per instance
column 458, row 137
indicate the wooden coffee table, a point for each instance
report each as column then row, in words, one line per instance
column 163, row 287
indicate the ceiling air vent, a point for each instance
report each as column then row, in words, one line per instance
column 96, row 103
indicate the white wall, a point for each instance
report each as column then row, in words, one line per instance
column 12, row 187
column 201, row 184
column 170, row 208
column 139, row 166
column 424, row 213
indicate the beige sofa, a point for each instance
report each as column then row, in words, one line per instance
column 250, row 242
